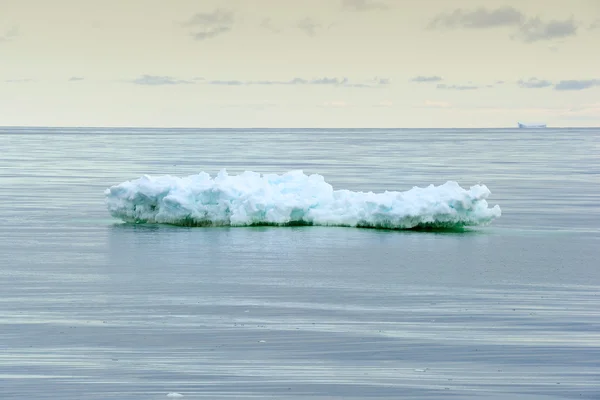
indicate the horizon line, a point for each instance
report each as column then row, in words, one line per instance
column 276, row 127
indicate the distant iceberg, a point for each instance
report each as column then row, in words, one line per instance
column 293, row 198
column 531, row 126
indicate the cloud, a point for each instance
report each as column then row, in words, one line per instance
column 324, row 81
column 595, row 25
column 535, row 30
column 156, row 80
column 364, row 5
column 260, row 106
column 576, row 84
column 421, row 78
column 309, row 26
column 267, row 24
column 534, row 83
column 9, row 34
column 480, row 18
column 384, row 103
column 374, row 83
column 211, row 24
column 329, row 81
column 226, row 83
column 336, row 104
column 435, row 104
column 21, row 80
column 75, row 78
column 528, row 30
column 456, row 87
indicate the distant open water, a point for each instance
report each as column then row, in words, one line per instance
column 91, row 308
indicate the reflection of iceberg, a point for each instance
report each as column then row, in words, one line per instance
column 293, row 198
column 528, row 126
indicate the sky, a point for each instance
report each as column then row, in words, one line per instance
column 309, row 63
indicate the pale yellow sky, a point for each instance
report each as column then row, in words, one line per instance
column 311, row 63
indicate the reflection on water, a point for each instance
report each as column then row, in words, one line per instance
column 95, row 309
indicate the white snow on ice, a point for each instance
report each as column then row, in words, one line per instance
column 293, row 198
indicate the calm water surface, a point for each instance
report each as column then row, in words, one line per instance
column 91, row 308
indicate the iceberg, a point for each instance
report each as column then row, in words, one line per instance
column 293, row 198
column 531, row 126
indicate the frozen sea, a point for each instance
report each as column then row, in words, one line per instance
column 94, row 308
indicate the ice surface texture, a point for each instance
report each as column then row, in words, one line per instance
column 293, row 198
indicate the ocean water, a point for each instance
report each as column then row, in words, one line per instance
column 93, row 308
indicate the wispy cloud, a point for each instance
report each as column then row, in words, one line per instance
column 157, row 80
column 267, row 23
column 260, row 106
column 364, row 5
column 377, row 82
column 76, row 78
column 226, row 83
column 457, row 87
column 426, row 79
column 434, row 104
column 385, row 103
column 535, row 30
column 9, row 34
column 480, row 18
column 576, row 84
column 208, row 25
column 20, row 80
column 324, row 81
column 528, row 29
column 336, row 104
column 328, row 81
column 534, row 83
column 309, row 26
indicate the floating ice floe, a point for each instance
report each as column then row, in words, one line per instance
column 293, row 198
